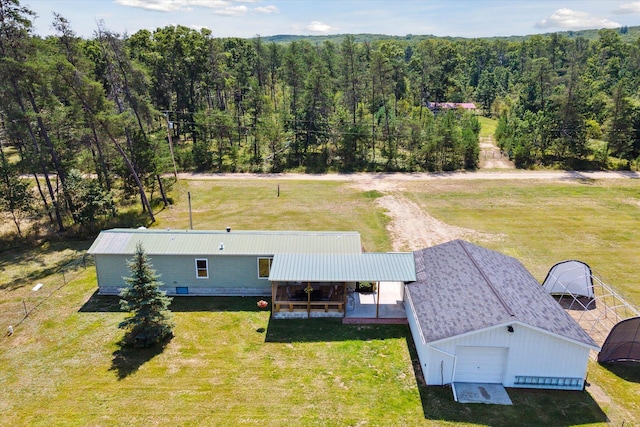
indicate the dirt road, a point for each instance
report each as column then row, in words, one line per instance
column 415, row 177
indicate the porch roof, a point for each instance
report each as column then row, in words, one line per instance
column 373, row 267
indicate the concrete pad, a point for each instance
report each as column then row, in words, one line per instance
column 391, row 304
column 494, row 394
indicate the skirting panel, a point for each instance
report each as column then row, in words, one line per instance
column 219, row 292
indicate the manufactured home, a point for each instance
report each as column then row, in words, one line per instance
column 307, row 274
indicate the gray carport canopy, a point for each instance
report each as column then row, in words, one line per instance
column 371, row 267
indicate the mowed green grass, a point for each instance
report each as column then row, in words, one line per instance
column 488, row 126
column 278, row 205
column 542, row 223
column 230, row 364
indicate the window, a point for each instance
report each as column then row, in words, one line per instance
column 202, row 269
column 264, row 267
column 182, row 290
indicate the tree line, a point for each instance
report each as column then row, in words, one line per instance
column 129, row 111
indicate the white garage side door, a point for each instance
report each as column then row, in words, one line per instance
column 480, row 364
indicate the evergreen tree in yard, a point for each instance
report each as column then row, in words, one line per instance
column 149, row 320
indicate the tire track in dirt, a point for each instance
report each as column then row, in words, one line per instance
column 491, row 157
column 411, row 228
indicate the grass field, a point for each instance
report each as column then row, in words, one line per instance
column 488, row 126
column 230, row 364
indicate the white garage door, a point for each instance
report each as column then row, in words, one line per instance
column 480, row 364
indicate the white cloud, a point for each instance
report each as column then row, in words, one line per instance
column 569, row 19
column 220, row 7
column 266, row 9
column 319, row 27
column 232, row 11
column 628, row 8
column 199, row 27
column 173, row 5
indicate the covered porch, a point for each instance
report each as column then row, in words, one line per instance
column 321, row 285
column 385, row 304
column 308, row 299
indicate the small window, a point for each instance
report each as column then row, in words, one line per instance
column 182, row 290
column 202, row 269
column 264, row 267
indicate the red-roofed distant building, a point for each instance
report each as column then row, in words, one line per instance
column 436, row 106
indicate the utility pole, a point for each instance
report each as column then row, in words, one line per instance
column 190, row 215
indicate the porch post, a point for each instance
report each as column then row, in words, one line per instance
column 377, row 299
column 344, row 299
column 309, row 289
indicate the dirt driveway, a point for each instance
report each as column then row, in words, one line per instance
column 491, row 157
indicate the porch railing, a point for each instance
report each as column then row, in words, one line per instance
column 314, row 306
column 324, row 302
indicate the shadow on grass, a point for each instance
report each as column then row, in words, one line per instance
column 325, row 330
column 213, row 304
column 110, row 303
column 30, row 262
column 530, row 407
column 628, row 371
column 101, row 303
column 127, row 360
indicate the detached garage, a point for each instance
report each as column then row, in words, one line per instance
column 479, row 316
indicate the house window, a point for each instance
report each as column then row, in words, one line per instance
column 202, row 269
column 264, row 267
column 182, row 290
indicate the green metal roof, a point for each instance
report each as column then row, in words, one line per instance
column 314, row 267
column 199, row 242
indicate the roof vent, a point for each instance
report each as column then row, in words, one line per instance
column 228, row 229
column 221, row 247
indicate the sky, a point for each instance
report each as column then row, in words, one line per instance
column 248, row 18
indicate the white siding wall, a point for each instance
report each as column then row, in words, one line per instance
column 435, row 365
column 531, row 353
column 438, row 370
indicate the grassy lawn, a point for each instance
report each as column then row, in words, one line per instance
column 255, row 205
column 544, row 223
column 488, row 126
column 230, row 364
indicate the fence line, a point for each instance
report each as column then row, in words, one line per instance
column 69, row 272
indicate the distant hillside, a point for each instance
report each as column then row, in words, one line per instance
column 628, row 34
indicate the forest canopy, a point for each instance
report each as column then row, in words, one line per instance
column 117, row 116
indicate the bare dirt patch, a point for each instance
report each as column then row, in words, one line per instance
column 491, row 157
column 412, row 229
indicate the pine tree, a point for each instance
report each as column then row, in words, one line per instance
column 15, row 194
column 149, row 320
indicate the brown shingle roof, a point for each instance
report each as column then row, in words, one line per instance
column 462, row 287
